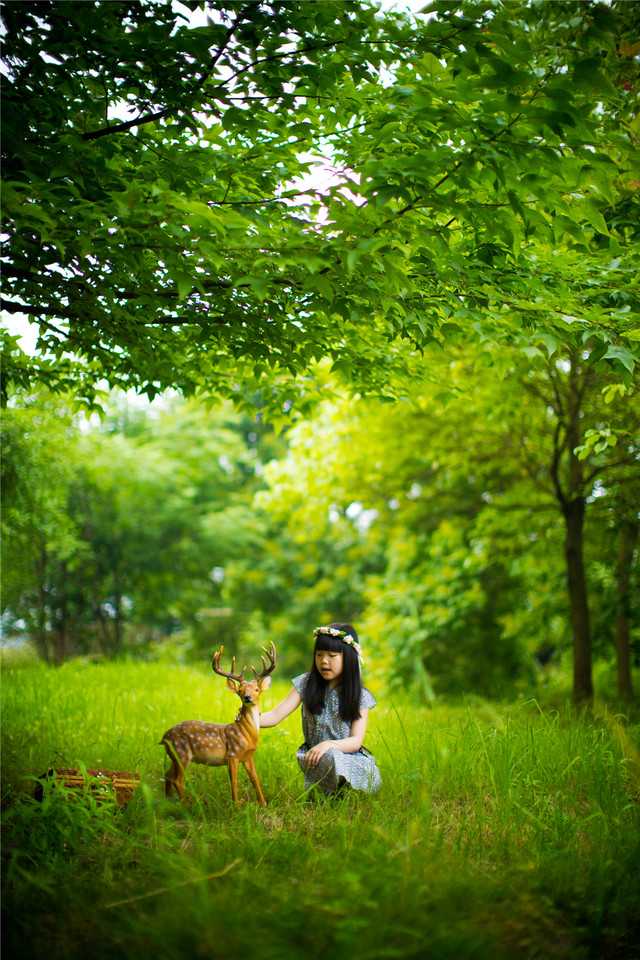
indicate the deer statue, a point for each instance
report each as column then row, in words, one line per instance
column 194, row 741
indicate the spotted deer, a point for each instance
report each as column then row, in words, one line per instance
column 195, row 741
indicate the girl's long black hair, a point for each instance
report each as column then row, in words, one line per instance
column 350, row 686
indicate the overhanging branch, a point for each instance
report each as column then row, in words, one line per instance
column 161, row 114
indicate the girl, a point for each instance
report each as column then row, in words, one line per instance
column 335, row 707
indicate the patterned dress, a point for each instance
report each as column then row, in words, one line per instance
column 336, row 768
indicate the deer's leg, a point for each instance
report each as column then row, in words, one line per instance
column 178, row 781
column 175, row 781
column 170, row 779
column 250, row 767
column 174, row 778
column 233, row 777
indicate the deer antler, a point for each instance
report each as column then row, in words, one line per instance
column 268, row 662
column 215, row 664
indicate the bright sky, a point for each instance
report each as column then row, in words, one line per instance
column 19, row 326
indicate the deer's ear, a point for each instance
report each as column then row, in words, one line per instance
column 265, row 682
column 232, row 685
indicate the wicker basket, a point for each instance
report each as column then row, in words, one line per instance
column 101, row 783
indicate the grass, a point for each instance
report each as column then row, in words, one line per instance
column 500, row 832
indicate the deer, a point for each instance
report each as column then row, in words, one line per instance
column 216, row 744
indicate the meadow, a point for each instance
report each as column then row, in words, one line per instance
column 501, row 831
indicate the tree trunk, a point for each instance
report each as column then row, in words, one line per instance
column 61, row 644
column 578, row 603
column 62, row 621
column 628, row 537
column 573, row 508
column 41, row 637
column 61, row 634
column 118, row 622
column 104, row 641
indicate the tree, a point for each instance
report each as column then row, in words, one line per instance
column 616, row 505
column 163, row 249
column 465, row 495
column 39, row 537
column 111, row 534
column 485, row 193
column 628, row 539
column 410, row 483
column 486, row 188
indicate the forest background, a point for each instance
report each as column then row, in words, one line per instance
column 336, row 317
column 430, row 342
column 164, row 531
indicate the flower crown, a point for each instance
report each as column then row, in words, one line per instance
column 342, row 635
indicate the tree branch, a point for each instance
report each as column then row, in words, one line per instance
column 160, row 114
column 523, row 506
column 415, row 204
column 537, row 392
column 627, row 462
column 555, row 465
column 553, row 377
column 126, row 125
column 527, row 462
column 12, row 307
column 262, row 200
column 41, row 311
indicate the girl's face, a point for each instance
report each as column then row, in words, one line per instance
column 329, row 665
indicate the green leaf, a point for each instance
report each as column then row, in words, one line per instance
column 625, row 357
column 594, row 217
column 352, row 258
column 613, row 390
column 184, row 284
column 550, row 343
column 343, row 366
column 430, row 66
column 530, row 305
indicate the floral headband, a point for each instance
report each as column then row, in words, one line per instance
column 342, row 635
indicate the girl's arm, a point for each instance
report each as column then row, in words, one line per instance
column 350, row 744
column 288, row 705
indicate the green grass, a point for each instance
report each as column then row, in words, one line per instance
column 499, row 832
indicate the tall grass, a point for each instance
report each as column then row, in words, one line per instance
column 499, row 832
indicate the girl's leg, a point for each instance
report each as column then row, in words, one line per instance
column 324, row 774
column 323, row 778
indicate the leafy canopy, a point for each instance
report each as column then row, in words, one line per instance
column 484, row 188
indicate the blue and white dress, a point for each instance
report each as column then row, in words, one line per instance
column 358, row 770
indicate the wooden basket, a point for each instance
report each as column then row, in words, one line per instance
column 101, row 783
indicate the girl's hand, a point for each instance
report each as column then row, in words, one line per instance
column 316, row 753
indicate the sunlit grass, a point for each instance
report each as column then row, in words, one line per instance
column 499, row 831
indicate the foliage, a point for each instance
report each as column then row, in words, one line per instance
column 432, row 524
column 297, row 579
column 38, row 466
column 163, row 248
column 483, row 195
column 498, row 168
column 484, row 188
column 524, row 815
column 124, row 524
column 458, row 500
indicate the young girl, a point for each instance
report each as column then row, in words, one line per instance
column 335, row 707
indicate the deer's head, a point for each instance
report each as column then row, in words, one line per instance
column 248, row 690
